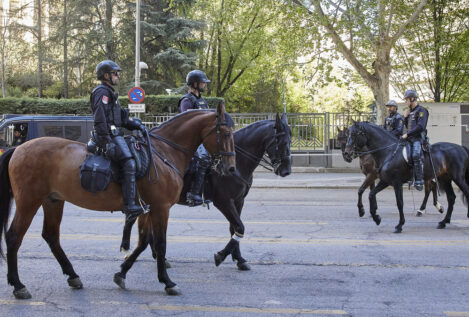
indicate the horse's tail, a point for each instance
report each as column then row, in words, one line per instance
column 466, row 176
column 5, row 194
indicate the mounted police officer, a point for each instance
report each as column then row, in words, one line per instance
column 197, row 82
column 394, row 122
column 109, row 119
column 416, row 118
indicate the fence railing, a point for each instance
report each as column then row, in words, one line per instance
column 310, row 131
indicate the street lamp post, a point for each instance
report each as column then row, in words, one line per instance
column 137, row 45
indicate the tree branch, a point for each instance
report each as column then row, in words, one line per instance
column 411, row 19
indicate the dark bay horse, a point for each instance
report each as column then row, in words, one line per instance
column 450, row 161
column 228, row 192
column 45, row 171
column 370, row 170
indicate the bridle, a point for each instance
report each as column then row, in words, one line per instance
column 217, row 162
column 274, row 162
column 355, row 150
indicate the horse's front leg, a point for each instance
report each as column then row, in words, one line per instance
column 125, row 244
column 423, row 206
column 229, row 210
column 400, row 206
column 373, row 203
column 159, row 220
column 369, row 181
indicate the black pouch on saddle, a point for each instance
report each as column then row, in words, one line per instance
column 95, row 173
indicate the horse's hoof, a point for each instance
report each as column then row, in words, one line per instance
column 398, row 230
column 173, row 291
column 377, row 219
column 243, row 266
column 119, row 280
column 218, row 259
column 448, row 221
column 440, row 208
column 167, row 264
column 22, row 293
column 361, row 212
column 127, row 253
column 441, row 225
column 420, row 213
column 75, row 283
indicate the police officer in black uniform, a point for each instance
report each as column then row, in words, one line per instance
column 197, row 82
column 394, row 122
column 109, row 119
column 416, row 118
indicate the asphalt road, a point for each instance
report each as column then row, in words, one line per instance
column 309, row 251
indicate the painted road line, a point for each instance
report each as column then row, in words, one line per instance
column 457, row 313
column 94, row 257
column 21, row 302
column 222, row 309
column 259, row 240
column 279, row 222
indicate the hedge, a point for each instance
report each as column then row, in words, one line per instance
column 154, row 104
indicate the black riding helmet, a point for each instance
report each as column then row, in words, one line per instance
column 106, row 66
column 391, row 103
column 410, row 94
column 196, row 76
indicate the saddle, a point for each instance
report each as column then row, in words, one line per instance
column 97, row 171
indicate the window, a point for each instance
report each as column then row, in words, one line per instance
column 73, row 132
column 53, row 130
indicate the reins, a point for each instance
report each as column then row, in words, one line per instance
column 377, row 150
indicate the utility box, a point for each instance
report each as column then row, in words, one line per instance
column 444, row 123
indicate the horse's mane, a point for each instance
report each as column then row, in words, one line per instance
column 365, row 124
column 228, row 118
column 253, row 125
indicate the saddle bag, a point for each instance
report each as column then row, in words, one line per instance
column 95, row 173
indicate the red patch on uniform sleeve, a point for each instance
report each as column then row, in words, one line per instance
column 105, row 99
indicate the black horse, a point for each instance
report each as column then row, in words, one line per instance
column 370, row 170
column 450, row 162
column 229, row 192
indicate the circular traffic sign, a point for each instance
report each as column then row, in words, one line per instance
column 136, row 95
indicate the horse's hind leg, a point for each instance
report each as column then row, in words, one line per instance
column 451, row 199
column 53, row 211
column 400, row 206
column 25, row 211
column 437, row 205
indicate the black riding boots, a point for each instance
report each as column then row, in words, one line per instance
column 418, row 168
column 194, row 197
column 130, row 209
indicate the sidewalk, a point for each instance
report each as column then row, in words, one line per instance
column 325, row 180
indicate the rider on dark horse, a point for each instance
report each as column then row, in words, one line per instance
column 197, row 82
column 394, row 122
column 109, row 119
column 416, row 118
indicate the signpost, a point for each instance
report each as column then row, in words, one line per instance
column 136, row 97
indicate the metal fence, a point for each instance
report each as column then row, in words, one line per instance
column 310, row 131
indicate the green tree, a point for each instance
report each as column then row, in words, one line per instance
column 433, row 56
column 364, row 32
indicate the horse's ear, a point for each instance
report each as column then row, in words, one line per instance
column 221, row 110
column 338, row 129
column 278, row 121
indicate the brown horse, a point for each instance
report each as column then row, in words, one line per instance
column 45, row 172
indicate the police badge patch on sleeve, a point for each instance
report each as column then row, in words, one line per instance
column 105, row 99
column 421, row 114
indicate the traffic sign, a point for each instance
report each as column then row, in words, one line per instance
column 137, row 107
column 136, row 95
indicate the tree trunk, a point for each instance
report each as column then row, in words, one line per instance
column 39, row 47
column 108, row 33
column 380, row 85
column 65, row 30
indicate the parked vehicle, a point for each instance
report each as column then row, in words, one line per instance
column 17, row 129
